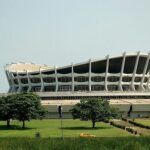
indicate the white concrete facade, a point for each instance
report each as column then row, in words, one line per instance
column 109, row 74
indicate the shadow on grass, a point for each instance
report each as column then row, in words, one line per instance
column 14, row 127
column 84, row 128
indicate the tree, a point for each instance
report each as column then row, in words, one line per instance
column 28, row 106
column 93, row 109
column 7, row 109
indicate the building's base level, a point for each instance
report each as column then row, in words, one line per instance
column 140, row 107
column 67, row 115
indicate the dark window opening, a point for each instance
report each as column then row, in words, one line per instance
column 81, row 88
column 129, row 64
column 35, row 89
column 98, row 66
column 81, row 79
column 65, row 88
column 115, row 65
column 49, row 88
column 35, row 80
column 126, row 79
column 97, row 88
column 49, row 80
column 24, row 81
column 113, row 79
column 64, row 79
column 14, row 74
column 126, row 88
column 24, row 89
column 141, row 64
column 137, row 79
column 137, row 87
column 16, row 81
column 48, row 72
column 145, row 79
column 97, row 79
column 22, row 74
column 65, row 70
column 81, row 68
column 112, row 88
column 34, row 73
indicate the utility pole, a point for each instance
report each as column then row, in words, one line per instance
column 61, row 119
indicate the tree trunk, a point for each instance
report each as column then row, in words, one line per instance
column 8, row 123
column 23, row 124
column 93, row 124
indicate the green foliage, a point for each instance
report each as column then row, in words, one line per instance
column 93, row 109
column 7, row 108
column 52, row 128
column 28, row 107
column 139, row 124
column 113, row 143
column 23, row 106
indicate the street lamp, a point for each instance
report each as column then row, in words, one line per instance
column 61, row 118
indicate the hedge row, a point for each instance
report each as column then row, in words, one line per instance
column 124, row 119
column 139, row 124
column 118, row 125
column 131, row 130
column 136, row 123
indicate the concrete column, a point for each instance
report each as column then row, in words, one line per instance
column 134, row 72
column 72, row 72
column 148, row 82
column 90, row 74
column 56, row 79
column 9, row 81
column 122, row 69
column 42, row 83
column 144, row 71
column 19, row 82
column 106, row 73
column 29, row 82
column 6, row 72
column 12, row 87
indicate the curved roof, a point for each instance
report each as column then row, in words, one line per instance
column 31, row 67
column 23, row 67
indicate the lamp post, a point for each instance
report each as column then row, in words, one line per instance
column 61, row 119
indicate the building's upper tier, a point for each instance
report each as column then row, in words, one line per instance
column 130, row 71
column 24, row 67
column 97, row 66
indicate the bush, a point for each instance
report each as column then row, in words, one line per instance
column 117, row 125
column 124, row 119
column 37, row 135
column 139, row 125
column 131, row 130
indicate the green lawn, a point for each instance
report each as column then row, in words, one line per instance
column 145, row 121
column 51, row 128
column 109, row 143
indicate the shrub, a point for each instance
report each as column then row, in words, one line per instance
column 139, row 124
column 117, row 125
column 131, row 130
column 37, row 135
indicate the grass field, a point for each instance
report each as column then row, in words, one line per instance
column 107, row 136
column 143, row 121
column 51, row 128
column 109, row 143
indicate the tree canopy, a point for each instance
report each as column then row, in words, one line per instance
column 94, row 109
column 7, row 108
column 23, row 107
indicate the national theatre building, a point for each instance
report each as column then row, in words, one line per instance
column 123, row 80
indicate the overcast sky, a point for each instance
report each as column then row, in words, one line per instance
column 58, row 32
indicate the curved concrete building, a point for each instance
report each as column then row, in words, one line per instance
column 128, row 72
column 123, row 80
